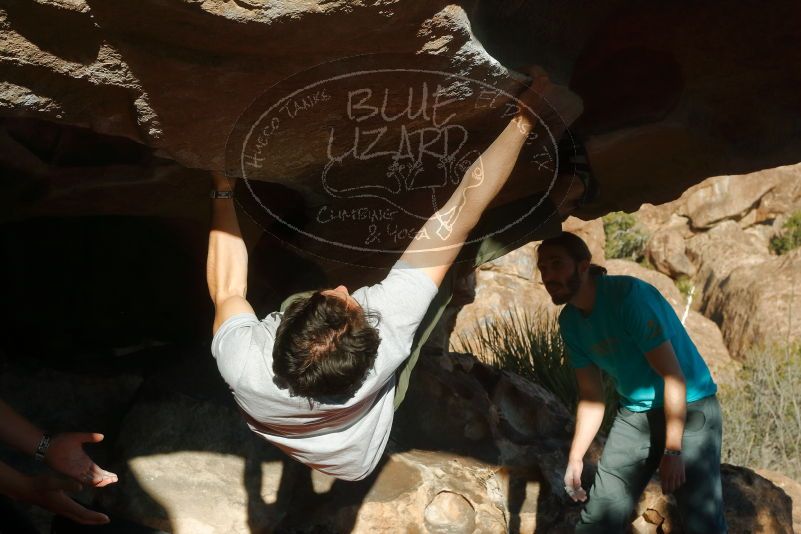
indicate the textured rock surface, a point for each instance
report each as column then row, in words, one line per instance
column 750, row 294
column 717, row 235
column 659, row 102
column 501, row 287
column 757, row 304
column 472, row 449
column 748, row 199
column 791, row 487
column 668, row 253
column 752, row 503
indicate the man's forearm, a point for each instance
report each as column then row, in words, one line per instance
column 664, row 361
column 589, row 417
column 13, row 483
column 17, row 431
column 227, row 262
column 675, row 411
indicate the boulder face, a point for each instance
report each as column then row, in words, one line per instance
column 473, row 450
column 667, row 251
column 744, row 492
column 791, row 488
column 177, row 76
column 757, row 304
column 716, row 237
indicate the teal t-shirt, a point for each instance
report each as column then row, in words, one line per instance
column 629, row 318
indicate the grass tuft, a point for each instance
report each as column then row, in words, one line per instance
column 762, row 414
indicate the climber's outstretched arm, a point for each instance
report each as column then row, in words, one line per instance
column 227, row 262
column 442, row 236
column 439, row 241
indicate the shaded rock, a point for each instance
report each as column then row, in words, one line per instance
column 757, row 303
column 188, row 465
column 464, row 441
column 667, row 253
column 719, row 251
column 503, row 287
column 464, row 293
column 791, row 487
column 658, row 108
column 752, row 503
column 473, row 449
column 726, row 197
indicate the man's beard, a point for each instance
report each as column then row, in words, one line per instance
column 573, row 284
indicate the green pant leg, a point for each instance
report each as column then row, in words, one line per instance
column 700, row 498
column 626, row 466
column 541, row 224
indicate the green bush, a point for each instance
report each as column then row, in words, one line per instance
column 790, row 236
column 625, row 238
column 762, row 413
column 533, row 348
column 684, row 285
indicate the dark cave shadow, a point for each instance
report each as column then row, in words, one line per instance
column 97, row 256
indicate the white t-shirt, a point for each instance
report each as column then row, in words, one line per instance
column 343, row 440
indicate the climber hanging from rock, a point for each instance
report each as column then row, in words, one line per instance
column 321, row 378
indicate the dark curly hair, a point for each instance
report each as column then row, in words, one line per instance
column 323, row 348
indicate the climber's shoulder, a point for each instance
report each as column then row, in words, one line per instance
column 228, row 307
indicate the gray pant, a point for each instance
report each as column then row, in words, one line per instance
column 632, row 455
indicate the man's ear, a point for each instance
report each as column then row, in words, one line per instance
column 584, row 266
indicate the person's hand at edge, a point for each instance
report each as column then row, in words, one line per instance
column 50, row 493
column 671, row 473
column 67, row 456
